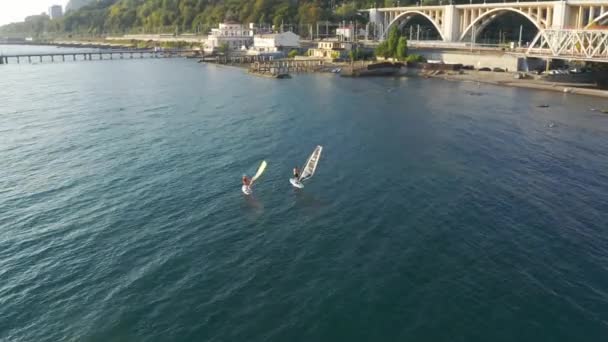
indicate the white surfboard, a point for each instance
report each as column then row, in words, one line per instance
column 246, row 190
column 295, row 182
column 309, row 168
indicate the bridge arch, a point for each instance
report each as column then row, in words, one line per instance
column 492, row 14
column 406, row 15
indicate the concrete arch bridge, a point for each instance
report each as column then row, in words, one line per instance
column 457, row 23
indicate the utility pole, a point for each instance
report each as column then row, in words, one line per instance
column 472, row 37
column 521, row 29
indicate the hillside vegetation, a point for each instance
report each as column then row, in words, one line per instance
column 152, row 16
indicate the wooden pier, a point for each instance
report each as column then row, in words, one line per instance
column 95, row 55
column 235, row 60
column 286, row 66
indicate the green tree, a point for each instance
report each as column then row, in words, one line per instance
column 309, row 13
column 401, row 52
column 414, row 58
column 393, row 41
column 346, row 11
column 260, row 8
column 382, row 50
column 292, row 53
column 282, row 15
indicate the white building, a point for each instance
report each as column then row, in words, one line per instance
column 275, row 42
column 55, row 12
column 331, row 50
column 234, row 35
column 347, row 33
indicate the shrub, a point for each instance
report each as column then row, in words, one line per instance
column 401, row 52
column 415, row 59
column 382, row 50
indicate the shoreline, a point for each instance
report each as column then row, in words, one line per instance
column 508, row 80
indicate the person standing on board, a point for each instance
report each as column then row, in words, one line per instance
column 296, row 173
column 246, row 181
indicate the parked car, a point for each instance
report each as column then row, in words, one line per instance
column 485, row 69
column 498, row 70
column 468, row 67
column 558, row 72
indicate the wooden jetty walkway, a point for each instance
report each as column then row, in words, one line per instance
column 238, row 59
column 95, row 55
column 269, row 65
column 285, row 66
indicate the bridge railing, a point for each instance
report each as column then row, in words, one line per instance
column 571, row 44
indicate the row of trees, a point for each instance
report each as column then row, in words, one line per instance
column 395, row 46
column 118, row 16
column 34, row 25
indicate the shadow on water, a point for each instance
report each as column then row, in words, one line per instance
column 308, row 200
column 251, row 204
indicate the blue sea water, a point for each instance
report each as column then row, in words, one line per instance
column 440, row 211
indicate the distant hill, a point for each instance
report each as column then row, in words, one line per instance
column 102, row 17
column 74, row 5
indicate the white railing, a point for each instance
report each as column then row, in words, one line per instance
column 571, row 44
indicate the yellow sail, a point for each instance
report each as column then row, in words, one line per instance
column 260, row 171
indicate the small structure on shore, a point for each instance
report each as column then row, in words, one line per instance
column 331, row 49
column 234, row 35
column 274, row 43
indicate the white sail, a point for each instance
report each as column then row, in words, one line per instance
column 259, row 173
column 311, row 164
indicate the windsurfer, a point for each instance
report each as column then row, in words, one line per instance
column 246, row 181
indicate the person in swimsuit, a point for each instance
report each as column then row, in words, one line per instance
column 296, row 173
column 246, row 181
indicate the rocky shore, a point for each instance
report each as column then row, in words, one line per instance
column 511, row 80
